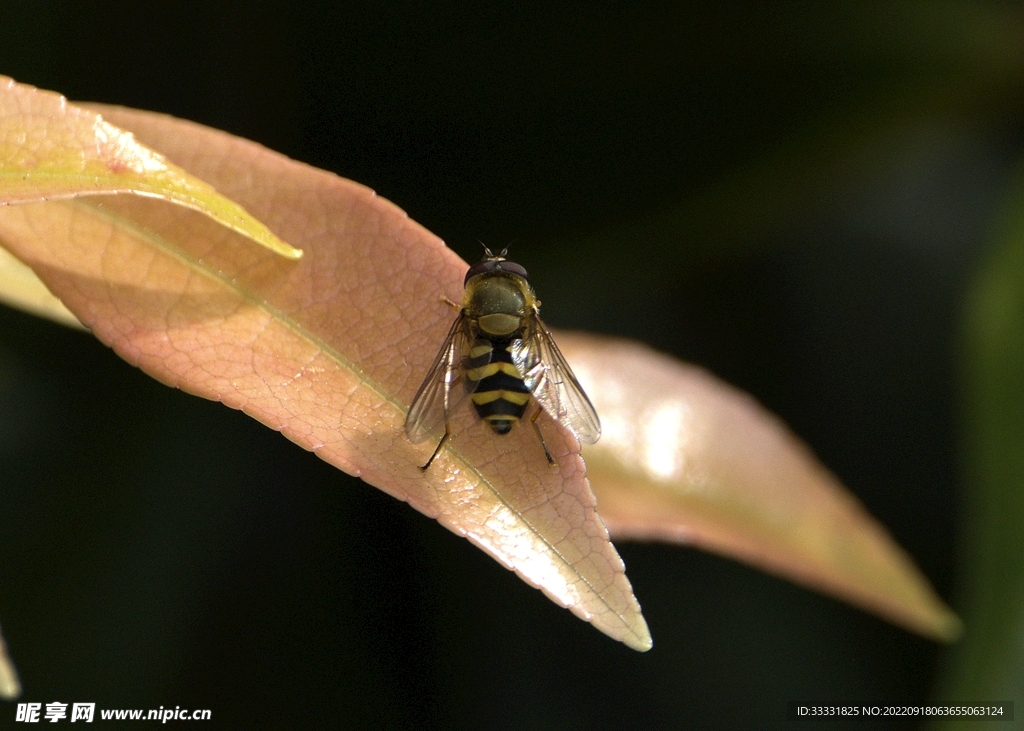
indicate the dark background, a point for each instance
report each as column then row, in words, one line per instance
column 794, row 198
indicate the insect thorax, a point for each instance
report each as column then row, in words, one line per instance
column 497, row 304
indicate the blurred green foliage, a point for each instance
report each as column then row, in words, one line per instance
column 989, row 663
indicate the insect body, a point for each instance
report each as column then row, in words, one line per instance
column 499, row 393
column 503, row 355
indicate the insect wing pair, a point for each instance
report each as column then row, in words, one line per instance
column 541, row 365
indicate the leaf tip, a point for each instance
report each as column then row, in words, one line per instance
column 638, row 634
column 286, row 250
column 10, row 687
column 258, row 232
column 640, row 643
column 948, row 627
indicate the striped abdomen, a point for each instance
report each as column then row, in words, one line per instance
column 498, row 391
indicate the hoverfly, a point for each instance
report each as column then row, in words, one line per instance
column 503, row 355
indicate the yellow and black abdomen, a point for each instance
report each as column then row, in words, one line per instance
column 498, row 391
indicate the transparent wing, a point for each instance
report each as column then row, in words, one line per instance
column 437, row 396
column 552, row 383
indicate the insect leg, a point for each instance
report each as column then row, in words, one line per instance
column 438, row 450
column 536, row 428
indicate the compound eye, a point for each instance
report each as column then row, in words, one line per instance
column 480, row 268
column 512, row 268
